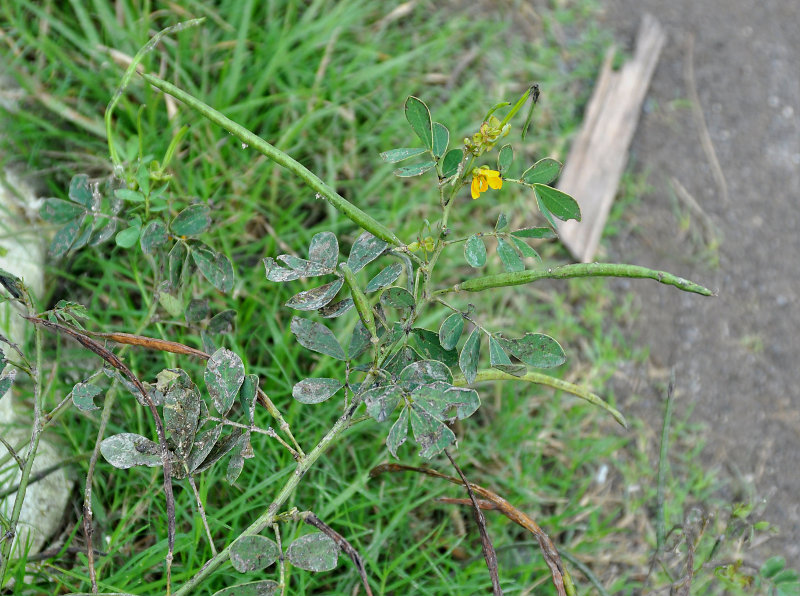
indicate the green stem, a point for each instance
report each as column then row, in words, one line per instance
column 542, row 379
column 344, row 206
column 577, row 270
column 9, row 538
column 271, row 513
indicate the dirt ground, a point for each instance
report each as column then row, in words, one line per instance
column 736, row 356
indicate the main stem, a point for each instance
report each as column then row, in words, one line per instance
column 270, row 514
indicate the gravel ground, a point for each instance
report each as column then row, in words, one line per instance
column 735, row 356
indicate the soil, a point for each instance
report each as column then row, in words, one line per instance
column 735, row 355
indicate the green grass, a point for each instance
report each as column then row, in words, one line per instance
column 325, row 82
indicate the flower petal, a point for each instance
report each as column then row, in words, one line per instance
column 495, row 182
column 475, row 187
column 483, row 185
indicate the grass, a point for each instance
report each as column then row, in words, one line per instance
column 325, row 82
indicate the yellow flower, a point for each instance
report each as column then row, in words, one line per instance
column 483, row 179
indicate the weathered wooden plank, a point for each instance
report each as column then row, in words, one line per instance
column 598, row 156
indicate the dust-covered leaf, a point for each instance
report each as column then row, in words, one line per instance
column 203, row 444
column 543, row 171
column 58, row 211
column 497, row 355
column 181, row 411
column 470, row 353
column 8, row 379
column 83, row 395
column 336, row 309
column 415, row 170
column 398, row 433
column 475, row 251
column 193, row 220
column 535, row 349
column 525, row 249
column 402, row 358
column 248, row 394
column 220, row 449
column 314, row 391
column 196, row 310
column 127, row 450
column 419, row 117
column 428, row 343
column 424, row 372
column 558, row 203
column 324, row 250
column 385, row 278
column 238, row 453
column 64, row 238
column 264, row 587
column 253, row 553
column 382, row 400
column 224, row 376
column 441, row 138
column 431, row 435
column 395, row 155
column 509, row 257
column 445, row 402
column 315, row 298
column 502, row 223
column 176, row 264
column 316, row 337
column 80, row 190
column 450, row 331
column 215, row 267
column 397, row 297
column 313, row 552
column 359, row 341
column 153, row 236
column 365, row 249
column 222, row 322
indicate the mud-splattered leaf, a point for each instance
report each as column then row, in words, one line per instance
column 315, row 298
column 535, row 349
column 402, row 358
column 385, row 278
column 203, row 444
column 545, row 233
column 242, row 450
column 505, row 158
column 558, row 203
column 304, row 267
column 324, row 250
column 127, row 450
column 359, row 341
column 428, row 343
column 316, row 337
column 398, row 433
column 365, row 249
column 253, row 553
column 153, row 236
column 220, row 449
column 181, row 412
column 470, row 353
column 415, row 170
column 509, row 257
column 397, row 297
column 224, row 376
column 83, row 395
column 424, row 372
column 264, row 587
column 543, row 171
column 193, row 220
column 419, row 117
column 313, row 552
column 336, row 309
column 450, row 331
column 524, row 249
column 475, row 251
column 381, row 401
column 445, row 402
column 431, row 435
column 58, row 211
column 215, row 267
column 395, row 155
column 314, row 391
column 451, row 161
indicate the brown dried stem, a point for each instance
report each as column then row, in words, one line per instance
column 561, row 578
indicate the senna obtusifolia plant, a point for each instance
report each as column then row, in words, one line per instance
column 410, row 381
